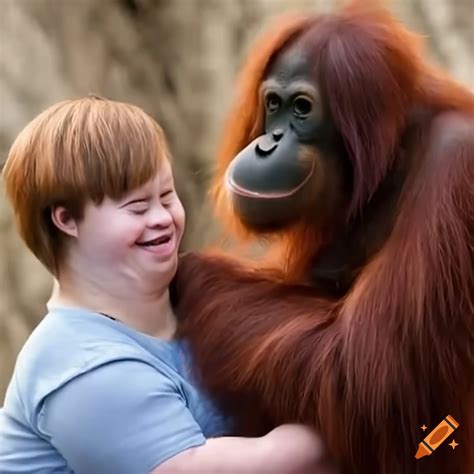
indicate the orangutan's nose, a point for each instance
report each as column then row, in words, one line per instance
column 277, row 134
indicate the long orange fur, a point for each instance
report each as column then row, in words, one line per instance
column 397, row 351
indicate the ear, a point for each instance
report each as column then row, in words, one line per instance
column 64, row 221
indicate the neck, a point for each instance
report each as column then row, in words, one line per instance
column 148, row 311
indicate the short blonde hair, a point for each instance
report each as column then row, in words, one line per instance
column 75, row 151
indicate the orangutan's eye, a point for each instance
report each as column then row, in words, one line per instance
column 272, row 103
column 302, row 107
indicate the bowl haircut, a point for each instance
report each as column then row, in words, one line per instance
column 77, row 151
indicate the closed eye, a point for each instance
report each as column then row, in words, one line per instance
column 137, row 206
column 167, row 198
column 138, row 211
column 166, row 193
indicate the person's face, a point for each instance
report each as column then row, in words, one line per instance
column 135, row 238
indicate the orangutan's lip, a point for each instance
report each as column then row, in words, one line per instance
column 235, row 188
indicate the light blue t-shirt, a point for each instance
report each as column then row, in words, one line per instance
column 92, row 396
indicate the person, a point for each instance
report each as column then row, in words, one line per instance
column 102, row 385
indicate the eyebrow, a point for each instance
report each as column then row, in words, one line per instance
column 270, row 85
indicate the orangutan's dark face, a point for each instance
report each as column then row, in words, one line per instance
column 291, row 170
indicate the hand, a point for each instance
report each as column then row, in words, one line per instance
column 302, row 450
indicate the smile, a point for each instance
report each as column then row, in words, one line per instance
column 163, row 246
column 239, row 190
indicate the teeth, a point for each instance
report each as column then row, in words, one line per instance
column 158, row 241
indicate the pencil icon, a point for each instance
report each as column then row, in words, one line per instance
column 437, row 436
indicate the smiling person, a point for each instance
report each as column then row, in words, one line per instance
column 101, row 385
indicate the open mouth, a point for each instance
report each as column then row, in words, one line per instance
column 162, row 240
column 161, row 247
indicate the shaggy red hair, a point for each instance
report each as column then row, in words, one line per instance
column 397, row 351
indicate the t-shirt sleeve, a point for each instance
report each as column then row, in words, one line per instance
column 123, row 417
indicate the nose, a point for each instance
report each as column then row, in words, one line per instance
column 265, row 146
column 160, row 217
column 277, row 134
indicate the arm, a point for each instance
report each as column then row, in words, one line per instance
column 121, row 418
column 244, row 326
column 287, row 449
column 125, row 417
column 355, row 365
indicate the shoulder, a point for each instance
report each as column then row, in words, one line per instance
column 449, row 158
column 118, row 384
column 453, row 129
column 64, row 346
column 73, row 338
column 128, row 416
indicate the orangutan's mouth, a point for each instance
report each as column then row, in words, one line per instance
column 239, row 190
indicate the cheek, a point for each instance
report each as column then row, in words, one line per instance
column 117, row 238
column 179, row 218
column 126, row 236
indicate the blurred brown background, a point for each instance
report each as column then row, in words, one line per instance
column 177, row 59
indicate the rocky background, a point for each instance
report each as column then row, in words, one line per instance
column 177, row 59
